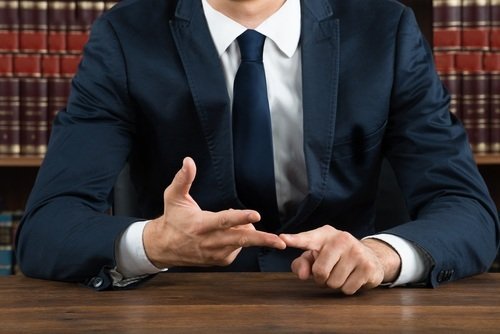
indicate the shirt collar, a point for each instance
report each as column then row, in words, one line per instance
column 283, row 27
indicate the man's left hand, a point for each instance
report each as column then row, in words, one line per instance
column 338, row 260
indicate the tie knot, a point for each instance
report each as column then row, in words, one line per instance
column 251, row 45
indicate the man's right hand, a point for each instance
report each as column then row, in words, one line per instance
column 185, row 235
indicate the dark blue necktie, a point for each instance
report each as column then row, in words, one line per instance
column 252, row 138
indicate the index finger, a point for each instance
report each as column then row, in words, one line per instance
column 249, row 238
column 226, row 219
column 309, row 240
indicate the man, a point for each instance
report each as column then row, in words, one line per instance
column 348, row 83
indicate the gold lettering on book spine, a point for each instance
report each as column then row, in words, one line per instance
column 9, row 4
column 466, row 3
column 449, row 3
column 32, row 5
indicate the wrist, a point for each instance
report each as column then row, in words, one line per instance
column 152, row 249
column 388, row 257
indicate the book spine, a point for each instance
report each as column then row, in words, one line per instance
column 9, row 26
column 495, row 112
column 51, row 65
column 69, row 65
column 9, row 116
column 6, row 250
column 474, row 100
column 33, row 26
column 6, row 259
column 6, row 65
column 495, row 25
column 5, row 228
column 34, row 109
column 60, row 15
column 447, row 18
column 78, row 33
column 28, row 65
column 476, row 24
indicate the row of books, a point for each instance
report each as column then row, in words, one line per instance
column 27, row 109
column 47, row 26
column 40, row 48
column 41, row 43
column 466, row 44
column 473, row 80
column 466, row 25
column 9, row 221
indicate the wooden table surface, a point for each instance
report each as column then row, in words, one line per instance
column 244, row 303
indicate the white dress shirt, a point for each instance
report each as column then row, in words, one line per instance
column 282, row 64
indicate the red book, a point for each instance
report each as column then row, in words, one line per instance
column 447, row 24
column 76, row 40
column 33, row 26
column 495, row 39
column 69, row 65
column 51, row 65
column 6, row 65
column 491, row 61
column 474, row 101
column 445, row 66
column 27, row 65
column 9, row 26
column 492, row 65
column 476, row 24
column 34, row 108
column 476, row 38
column 9, row 116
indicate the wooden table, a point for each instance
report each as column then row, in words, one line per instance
column 244, row 303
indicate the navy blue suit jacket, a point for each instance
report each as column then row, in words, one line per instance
column 150, row 89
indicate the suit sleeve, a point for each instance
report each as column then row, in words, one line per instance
column 453, row 217
column 67, row 233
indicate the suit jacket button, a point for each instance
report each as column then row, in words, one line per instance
column 449, row 273
column 97, row 282
column 441, row 276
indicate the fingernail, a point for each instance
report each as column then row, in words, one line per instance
column 184, row 165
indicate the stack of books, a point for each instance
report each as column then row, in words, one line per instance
column 9, row 222
column 467, row 55
column 40, row 49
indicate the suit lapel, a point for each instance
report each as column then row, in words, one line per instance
column 320, row 69
column 206, row 80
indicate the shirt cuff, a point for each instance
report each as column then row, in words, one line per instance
column 131, row 258
column 414, row 263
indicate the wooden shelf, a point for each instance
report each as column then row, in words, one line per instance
column 488, row 159
column 23, row 161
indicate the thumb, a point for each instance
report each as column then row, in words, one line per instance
column 181, row 184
